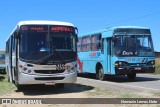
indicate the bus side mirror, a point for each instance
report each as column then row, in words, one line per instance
column 76, row 37
column 76, row 33
column 16, row 34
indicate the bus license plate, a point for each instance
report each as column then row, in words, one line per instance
column 49, row 83
column 138, row 68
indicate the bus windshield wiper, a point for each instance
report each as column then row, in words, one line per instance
column 58, row 54
column 46, row 58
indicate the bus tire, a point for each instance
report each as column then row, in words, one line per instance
column 60, row 85
column 131, row 76
column 101, row 74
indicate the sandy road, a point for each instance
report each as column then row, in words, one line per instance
column 80, row 89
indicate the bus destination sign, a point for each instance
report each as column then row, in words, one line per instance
column 61, row 29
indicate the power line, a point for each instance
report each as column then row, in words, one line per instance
column 126, row 20
column 135, row 18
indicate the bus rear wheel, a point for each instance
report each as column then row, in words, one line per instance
column 131, row 76
column 101, row 74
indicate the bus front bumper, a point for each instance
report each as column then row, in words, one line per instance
column 25, row 79
column 130, row 70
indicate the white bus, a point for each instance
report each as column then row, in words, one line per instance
column 42, row 52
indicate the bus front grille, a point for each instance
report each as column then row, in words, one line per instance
column 49, row 78
column 48, row 71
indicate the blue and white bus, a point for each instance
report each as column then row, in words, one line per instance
column 42, row 52
column 2, row 62
column 123, row 50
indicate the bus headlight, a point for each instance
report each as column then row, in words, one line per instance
column 68, row 68
column 151, row 62
column 29, row 71
column 120, row 63
column 72, row 68
column 24, row 69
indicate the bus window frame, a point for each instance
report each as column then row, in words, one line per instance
column 88, row 42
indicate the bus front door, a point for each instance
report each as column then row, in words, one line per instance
column 108, row 56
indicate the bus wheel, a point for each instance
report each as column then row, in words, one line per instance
column 131, row 76
column 60, row 85
column 101, row 74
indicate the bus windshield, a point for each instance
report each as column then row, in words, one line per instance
column 133, row 44
column 39, row 41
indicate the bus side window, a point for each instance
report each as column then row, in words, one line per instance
column 85, row 43
column 7, row 47
column 102, row 46
column 95, row 42
column 88, row 43
column 83, row 48
column 13, row 44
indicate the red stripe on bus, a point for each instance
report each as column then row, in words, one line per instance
column 80, row 63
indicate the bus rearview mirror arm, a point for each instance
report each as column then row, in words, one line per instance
column 76, row 33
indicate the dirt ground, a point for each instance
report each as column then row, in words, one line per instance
column 70, row 91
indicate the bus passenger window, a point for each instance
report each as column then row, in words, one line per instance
column 86, row 43
column 95, row 41
column 102, row 46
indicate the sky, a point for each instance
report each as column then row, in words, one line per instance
column 87, row 15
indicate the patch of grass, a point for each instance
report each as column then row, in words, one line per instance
column 157, row 66
column 128, row 95
column 157, row 105
column 99, row 92
column 5, row 86
column 156, row 93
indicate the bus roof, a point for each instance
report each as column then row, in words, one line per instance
column 112, row 29
column 137, row 27
column 40, row 22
